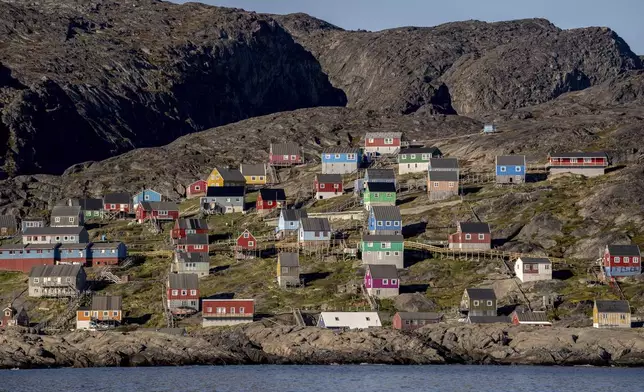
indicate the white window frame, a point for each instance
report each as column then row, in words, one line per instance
column 86, row 313
column 321, row 186
column 351, row 157
column 175, row 292
column 379, row 223
column 251, row 243
column 57, row 219
column 503, row 169
column 436, row 184
column 193, row 292
column 388, row 223
column 450, row 184
column 396, row 223
column 476, row 302
column 197, row 187
column 162, row 212
column 636, row 260
column 336, row 186
column 370, row 140
column 617, row 260
column 517, row 169
column 293, row 157
column 481, row 236
column 394, row 281
column 286, row 157
column 337, row 156
column 71, row 219
column 327, row 156
column 385, row 281
column 468, row 236
column 588, row 160
column 626, row 259
column 489, row 303
column 413, row 156
column 246, row 234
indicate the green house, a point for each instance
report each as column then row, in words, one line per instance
column 379, row 194
column 91, row 208
column 416, row 160
column 383, row 249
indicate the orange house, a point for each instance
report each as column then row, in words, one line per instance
column 105, row 312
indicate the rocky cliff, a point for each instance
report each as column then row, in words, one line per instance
column 259, row 344
column 87, row 80
column 466, row 67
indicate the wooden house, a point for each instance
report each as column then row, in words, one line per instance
column 384, row 220
column 489, row 128
column 382, row 143
column 90, row 208
column 621, row 260
column 117, row 204
column 532, row 269
column 379, row 194
column 103, row 313
column 416, row 160
column 479, row 302
column 314, row 232
column 442, row 185
column 589, row 164
column 340, row 160
column 196, row 189
column 246, row 246
column 183, row 294
column 510, row 169
column 8, row 226
column 64, row 216
column 156, row 211
column 14, row 317
column 443, row 164
column 349, row 320
column 107, row 253
column 611, row 314
column 471, row 236
column 381, row 280
column 56, row 280
column 383, row 249
column 288, row 269
column 285, row 154
column 74, row 254
column 269, row 200
column 223, row 200
column 328, row 186
column 379, row 175
column 22, row 258
column 222, row 312
column 530, row 318
column 254, row 174
column 225, row 177
column 409, row 321
column 146, row 195
column 193, row 243
column 30, row 222
column 52, row 235
column 289, row 222
column 191, row 263
column 185, row 226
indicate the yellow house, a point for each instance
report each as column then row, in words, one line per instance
column 254, row 174
column 611, row 314
column 225, row 177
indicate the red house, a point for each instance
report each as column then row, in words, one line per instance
column 588, row 164
column 183, row 293
column 471, row 236
column 285, row 154
column 380, row 143
column 246, row 241
column 408, row 321
column 117, row 203
column 196, row 189
column 622, row 260
column 270, row 199
column 327, row 186
column 219, row 312
column 185, row 226
column 193, row 243
column 160, row 210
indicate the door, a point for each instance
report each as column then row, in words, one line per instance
column 379, row 255
column 510, row 180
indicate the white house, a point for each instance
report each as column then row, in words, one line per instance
column 349, row 320
column 532, row 269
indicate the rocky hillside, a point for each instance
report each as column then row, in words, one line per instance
column 466, row 67
column 259, row 344
column 88, row 80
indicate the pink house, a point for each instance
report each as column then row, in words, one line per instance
column 381, row 280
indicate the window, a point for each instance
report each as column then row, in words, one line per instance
column 337, row 156
column 388, row 223
column 388, row 195
column 379, row 223
column 208, row 310
column 175, row 292
column 112, row 205
column 337, row 318
column 228, row 200
column 396, row 253
column 69, row 279
column 370, row 244
column 232, row 310
column 436, row 184
column 57, row 219
column 65, row 238
column 336, row 186
column 368, row 318
column 626, row 259
column 58, row 238
column 476, row 303
column 241, row 310
column 71, row 219
column 481, row 236
column 413, row 156
column 321, row 186
column 389, row 141
column 163, row 212
column 489, row 303
column 588, row 160
column 106, row 313
column 270, row 202
column 36, row 280
column 285, row 270
column 221, row 310
column 261, row 178
column 293, row 157
column 547, row 267
column 376, row 195
column 184, row 292
column 351, row 157
column 245, row 234
column 636, row 260
column 394, row 281
column 385, row 281
column 197, row 188
column 450, row 184
column 86, row 314
column 115, row 313
column 286, row 157
column 502, row 169
column 146, row 197
column 617, row 259
column 327, row 156
column 396, row 223
column 370, row 140
column 251, row 243
column 517, row 169
column 193, row 292
column 425, row 157
column 468, row 236
column 387, row 253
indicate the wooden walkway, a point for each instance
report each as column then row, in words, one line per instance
column 472, row 254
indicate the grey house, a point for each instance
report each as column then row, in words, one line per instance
column 191, row 263
column 183, row 293
column 65, row 216
column 443, row 164
column 223, row 200
column 91, row 208
column 56, row 280
column 52, row 235
column 479, row 302
column 28, row 223
column 288, row 269
column 8, row 225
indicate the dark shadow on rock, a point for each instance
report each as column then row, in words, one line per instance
column 219, row 268
column 413, row 257
column 414, row 229
column 218, row 237
column 413, row 288
column 221, row 296
column 406, row 200
column 313, row 276
column 470, row 190
column 615, row 168
column 506, row 310
column 141, row 320
column 536, row 177
column 562, row 274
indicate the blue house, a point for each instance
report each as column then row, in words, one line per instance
column 340, row 160
column 510, row 169
column 22, row 257
column 146, row 195
column 74, row 253
column 385, row 220
column 314, row 232
column 289, row 222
